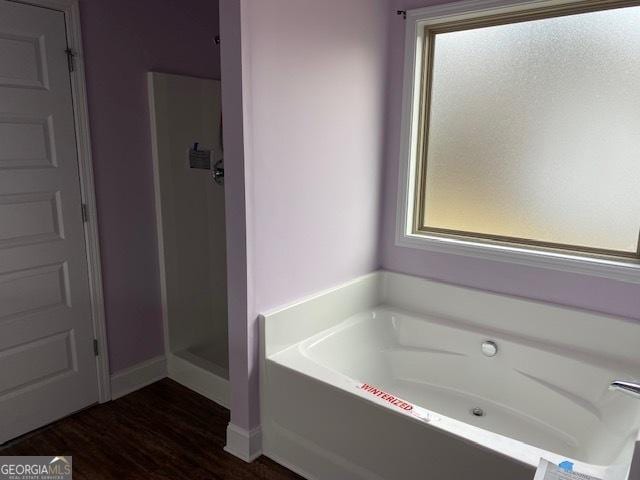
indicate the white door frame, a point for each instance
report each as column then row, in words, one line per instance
column 71, row 11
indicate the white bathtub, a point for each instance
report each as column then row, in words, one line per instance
column 380, row 378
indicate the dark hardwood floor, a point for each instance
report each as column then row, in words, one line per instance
column 163, row 431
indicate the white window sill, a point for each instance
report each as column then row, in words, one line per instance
column 621, row 270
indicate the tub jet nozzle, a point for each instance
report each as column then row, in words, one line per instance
column 489, row 348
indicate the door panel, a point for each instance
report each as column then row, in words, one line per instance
column 26, row 142
column 22, row 63
column 28, row 218
column 47, row 364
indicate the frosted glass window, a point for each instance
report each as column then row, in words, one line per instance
column 533, row 132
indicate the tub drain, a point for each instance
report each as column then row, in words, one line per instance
column 477, row 412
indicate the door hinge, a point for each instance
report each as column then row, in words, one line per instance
column 96, row 350
column 70, row 59
column 85, row 212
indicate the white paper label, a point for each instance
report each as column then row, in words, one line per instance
column 548, row 471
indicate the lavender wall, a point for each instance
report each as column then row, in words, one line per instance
column 598, row 294
column 317, row 122
column 124, row 39
column 313, row 78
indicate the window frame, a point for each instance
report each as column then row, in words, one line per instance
column 421, row 27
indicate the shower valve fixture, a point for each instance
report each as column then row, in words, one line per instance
column 218, row 172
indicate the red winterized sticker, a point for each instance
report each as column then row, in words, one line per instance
column 395, row 401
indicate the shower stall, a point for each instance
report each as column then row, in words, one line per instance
column 189, row 190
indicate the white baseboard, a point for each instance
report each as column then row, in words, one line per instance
column 244, row 444
column 199, row 379
column 138, row 376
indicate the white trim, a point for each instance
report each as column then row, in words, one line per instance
column 625, row 271
column 139, row 376
column 71, row 11
column 244, row 444
column 200, row 379
column 622, row 271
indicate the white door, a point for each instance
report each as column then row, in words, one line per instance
column 47, row 362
